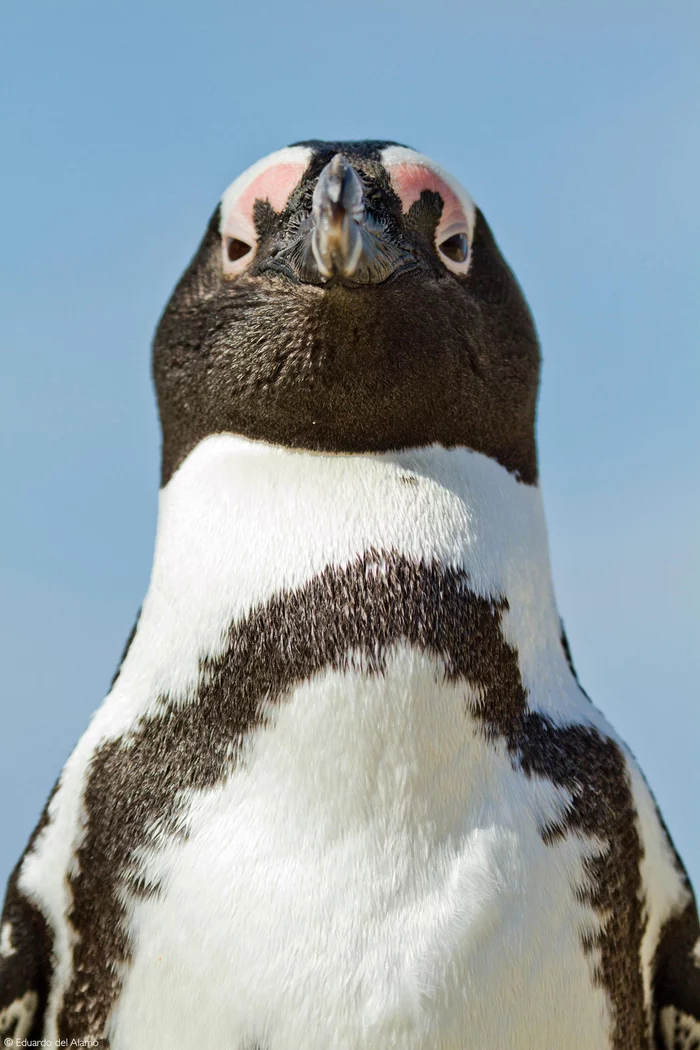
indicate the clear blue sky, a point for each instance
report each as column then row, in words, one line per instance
column 576, row 127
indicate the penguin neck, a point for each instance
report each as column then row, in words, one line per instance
column 242, row 522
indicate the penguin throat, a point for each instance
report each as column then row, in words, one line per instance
column 243, row 523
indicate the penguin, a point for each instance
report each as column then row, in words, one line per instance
column 346, row 790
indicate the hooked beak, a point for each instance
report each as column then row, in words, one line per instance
column 342, row 240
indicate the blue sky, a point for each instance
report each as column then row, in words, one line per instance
column 575, row 126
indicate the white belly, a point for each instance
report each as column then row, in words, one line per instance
column 372, row 876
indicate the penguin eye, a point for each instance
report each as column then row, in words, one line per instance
column 238, row 253
column 453, row 248
column 236, row 249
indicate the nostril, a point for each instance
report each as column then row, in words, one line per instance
column 236, row 249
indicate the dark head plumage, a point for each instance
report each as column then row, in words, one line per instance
column 349, row 297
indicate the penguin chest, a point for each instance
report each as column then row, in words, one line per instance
column 372, row 873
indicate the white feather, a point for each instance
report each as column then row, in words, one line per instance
column 374, row 875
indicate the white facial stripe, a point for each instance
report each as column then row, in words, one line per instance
column 395, row 155
column 293, row 156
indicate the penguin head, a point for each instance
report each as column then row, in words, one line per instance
column 348, row 297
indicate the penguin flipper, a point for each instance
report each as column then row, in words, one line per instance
column 26, row 954
column 677, row 983
column 25, row 964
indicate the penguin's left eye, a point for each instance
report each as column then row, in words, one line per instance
column 453, row 248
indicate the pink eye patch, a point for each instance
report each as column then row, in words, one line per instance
column 274, row 185
column 410, row 180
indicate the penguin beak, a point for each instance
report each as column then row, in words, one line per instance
column 338, row 213
column 343, row 241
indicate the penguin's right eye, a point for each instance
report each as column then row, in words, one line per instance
column 237, row 252
column 236, row 249
column 455, row 247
